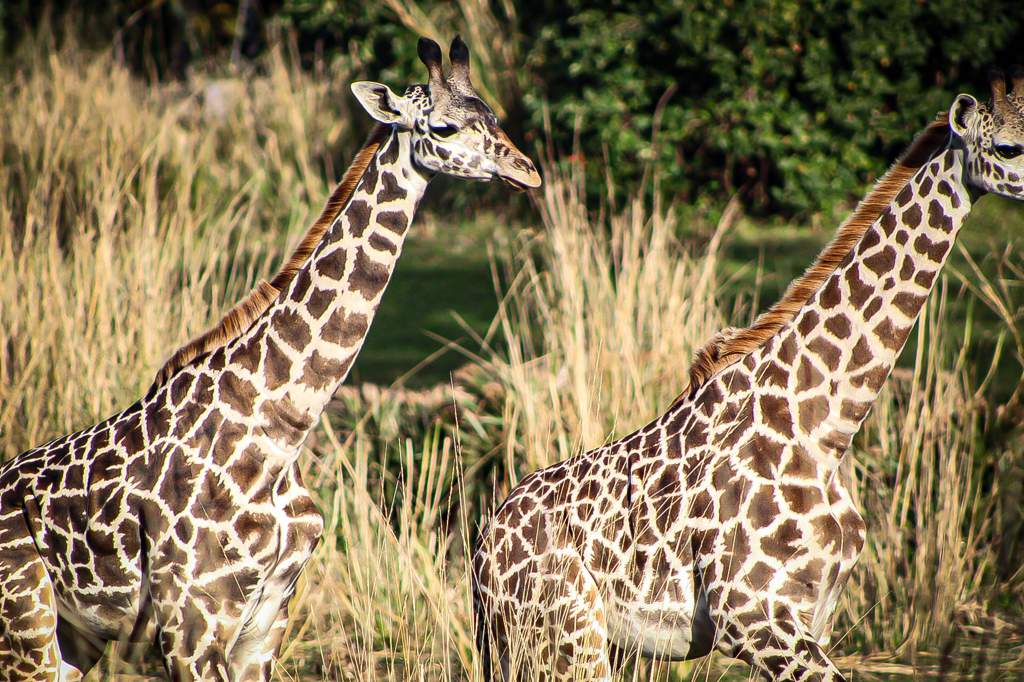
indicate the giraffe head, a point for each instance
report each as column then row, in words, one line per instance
column 993, row 136
column 453, row 131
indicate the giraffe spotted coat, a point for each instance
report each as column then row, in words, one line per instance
column 724, row 523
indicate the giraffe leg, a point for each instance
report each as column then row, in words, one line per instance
column 191, row 640
column 560, row 637
column 254, row 655
column 77, row 649
column 577, row 630
column 208, row 663
column 798, row 658
column 775, row 643
column 28, row 615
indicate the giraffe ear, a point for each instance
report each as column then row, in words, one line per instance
column 962, row 113
column 382, row 104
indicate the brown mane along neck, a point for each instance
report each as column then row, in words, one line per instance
column 730, row 345
column 244, row 313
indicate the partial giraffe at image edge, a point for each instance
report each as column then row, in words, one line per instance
column 723, row 524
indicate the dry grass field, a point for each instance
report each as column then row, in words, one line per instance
column 131, row 215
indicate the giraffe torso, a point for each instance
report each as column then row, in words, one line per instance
column 708, row 494
column 173, row 488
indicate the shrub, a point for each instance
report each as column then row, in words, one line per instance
column 794, row 104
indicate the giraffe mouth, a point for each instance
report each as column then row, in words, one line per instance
column 521, row 182
column 514, row 184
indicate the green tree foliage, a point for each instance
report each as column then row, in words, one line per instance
column 159, row 38
column 793, row 103
column 796, row 102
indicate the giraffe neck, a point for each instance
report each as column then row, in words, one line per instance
column 292, row 359
column 834, row 356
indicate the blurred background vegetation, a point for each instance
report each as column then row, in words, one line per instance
column 794, row 104
column 158, row 157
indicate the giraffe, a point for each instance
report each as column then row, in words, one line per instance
column 723, row 524
column 182, row 523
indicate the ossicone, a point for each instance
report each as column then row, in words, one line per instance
column 430, row 54
column 458, row 54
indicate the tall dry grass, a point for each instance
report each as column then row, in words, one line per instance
column 932, row 482
column 131, row 215
column 600, row 322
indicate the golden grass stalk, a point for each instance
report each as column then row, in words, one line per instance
column 131, row 216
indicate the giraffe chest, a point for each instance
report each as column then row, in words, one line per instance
column 298, row 528
column 657, row 604
column 104, row 539
column 719, row 529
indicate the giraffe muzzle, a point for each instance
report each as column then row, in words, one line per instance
column 520, row 186
column 515, row 168
column 518, row 177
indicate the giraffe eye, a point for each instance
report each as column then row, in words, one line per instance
column 1009, row 151
column 444, row 131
